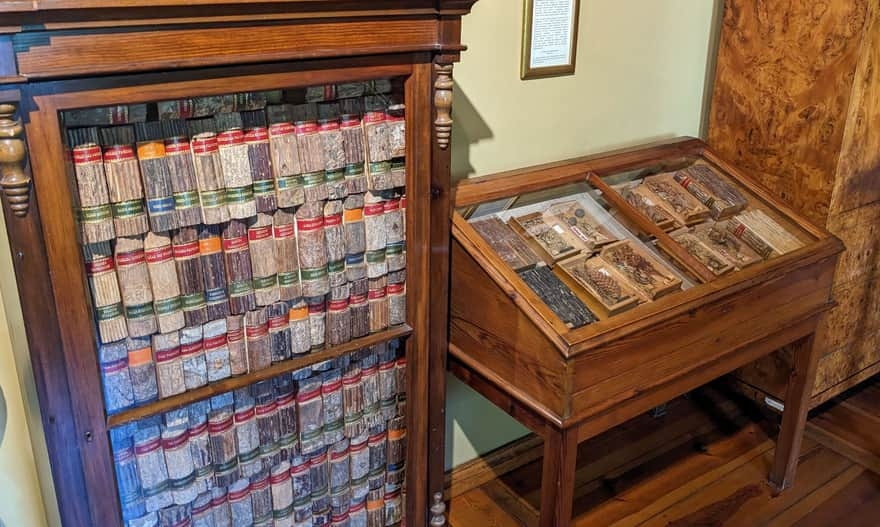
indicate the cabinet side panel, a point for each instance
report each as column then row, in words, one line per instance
column 663, row 354
column 421, row 316
column 48, row 362
column 492, row 331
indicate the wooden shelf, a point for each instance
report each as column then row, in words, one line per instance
column 233, row 383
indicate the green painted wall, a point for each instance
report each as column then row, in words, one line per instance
column 641, row 76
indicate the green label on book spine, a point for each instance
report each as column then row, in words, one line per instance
column 239, row 195
column 109, row 312
column 332, row 176
column 168, row 305
column 314, row 273
column 212, row 198
column 336, row 267
column 97, row 214
column 264, row 187
column 185, row 200
column 285, row 183
column 313, row 179
column 288, row 279
column 193, row 301
column 265, row 282
column 241, row 288
column 127, row 209
column 139, row 311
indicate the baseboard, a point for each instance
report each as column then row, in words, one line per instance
column 496, row 463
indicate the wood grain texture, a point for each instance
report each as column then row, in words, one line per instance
column 68, row 54
column 425, row 413
column 704, row 463
column 797, row 104
column 849, row 430
column 797, row 404
column 856, row 315
column 781, row 95
column 857, row 182
column 859, row 229
column 492, row 465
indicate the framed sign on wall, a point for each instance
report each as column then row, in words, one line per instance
column 549, row 38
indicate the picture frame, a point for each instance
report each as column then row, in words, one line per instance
column 549, row 57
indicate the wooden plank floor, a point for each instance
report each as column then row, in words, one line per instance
column 705, row 464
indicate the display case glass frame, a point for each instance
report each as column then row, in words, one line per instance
column 568, row 384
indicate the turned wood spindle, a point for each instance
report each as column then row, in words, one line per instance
column 14, row 180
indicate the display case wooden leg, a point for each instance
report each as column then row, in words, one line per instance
column 794, row 417
column 557, row 477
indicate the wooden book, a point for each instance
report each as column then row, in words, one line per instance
column 677, row 201
column 763, row 233
column 506, row 243
column 648, row 204
column 601, row 281
column 574, row 217
column 546, row 236
column 713, row 260
column 558, row 297
column 721, row 240
column 705, row 184
column 645, row 272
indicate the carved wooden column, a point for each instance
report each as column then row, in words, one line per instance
column 441, row 213
column 443, row 104
column 15, row 182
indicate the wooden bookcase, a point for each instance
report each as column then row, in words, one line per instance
column 568, row 384
column 57, row 56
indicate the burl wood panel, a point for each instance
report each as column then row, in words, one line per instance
column 782, row 90
column 858, row 172
column 797, row 103
column 857, row 313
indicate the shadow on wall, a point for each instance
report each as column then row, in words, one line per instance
column 2, row 422
column 468, row 128
column 711, row 55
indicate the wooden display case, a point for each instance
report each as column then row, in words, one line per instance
column 60, row 60
column 570, row 384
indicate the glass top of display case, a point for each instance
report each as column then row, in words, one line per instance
column 633, row 240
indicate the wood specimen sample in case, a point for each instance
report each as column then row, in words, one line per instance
column 601, row 281
column 547, row 237
column 645, row 202
column 506, row 243
column 574, row 217
column 697, row 248
column 721, row 240
column 557, row 296
column 645, row 272
column 707, row 185
column 763, row 233
column 685, row 208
